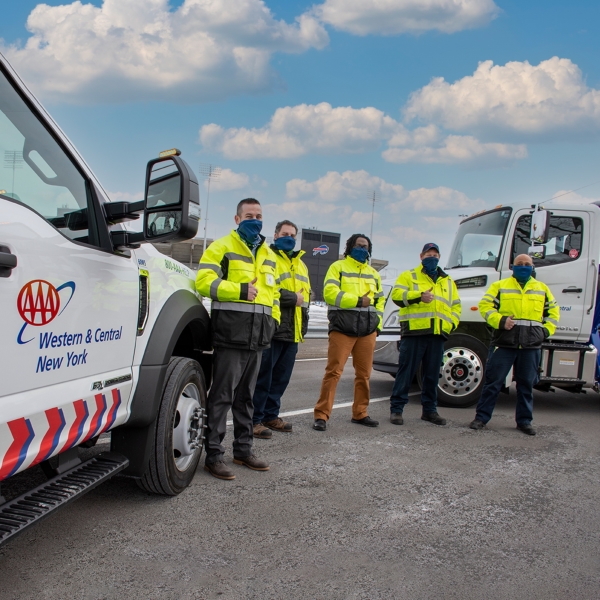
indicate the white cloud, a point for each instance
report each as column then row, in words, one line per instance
column 129, row 50
column 387, row 17
column 428, row 145
column 228, row 180
column 295, row 131
column 568, row 197
column 306, row 128
column 518, row 98
column 334, row 186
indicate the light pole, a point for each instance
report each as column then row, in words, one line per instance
column 13, row 159
column 209, row 172
column 373, row 197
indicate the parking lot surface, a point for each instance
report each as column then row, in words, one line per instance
column 414, row 512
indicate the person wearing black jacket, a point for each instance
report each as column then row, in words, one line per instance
column 278, row 360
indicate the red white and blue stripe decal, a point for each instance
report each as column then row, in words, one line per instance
column 66, row 426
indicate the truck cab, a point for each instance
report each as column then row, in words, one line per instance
column 565, row 259
column 100, row 332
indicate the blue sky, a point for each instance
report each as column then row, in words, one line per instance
column 311, row 106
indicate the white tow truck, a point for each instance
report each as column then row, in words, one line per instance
column 99, row 331
column 564, row 241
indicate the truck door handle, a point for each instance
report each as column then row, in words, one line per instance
column 8, row 261
column 572, row 291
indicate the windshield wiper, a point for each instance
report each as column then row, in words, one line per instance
column 458, row 267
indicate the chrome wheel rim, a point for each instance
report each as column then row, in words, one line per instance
column 188, row 427
column 461, row 372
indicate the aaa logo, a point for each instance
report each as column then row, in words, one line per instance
column 39, row 303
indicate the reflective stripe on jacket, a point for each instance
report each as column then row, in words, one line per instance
column 440, row 316
column 532, row 306
column 292, row 276
column 346, row 282
column 224, row 272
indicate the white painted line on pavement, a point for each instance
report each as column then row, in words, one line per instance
column 305, row 411
column 307, row 359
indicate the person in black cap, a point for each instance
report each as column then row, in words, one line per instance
column 429, row 312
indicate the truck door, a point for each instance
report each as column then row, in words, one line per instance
column 68, row 304
column 565, row 268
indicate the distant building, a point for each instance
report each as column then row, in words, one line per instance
column 322, row 249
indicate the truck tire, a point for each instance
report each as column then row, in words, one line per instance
column 180, row 425
column 461, row 372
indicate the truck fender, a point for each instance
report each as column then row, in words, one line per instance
column 182, row 311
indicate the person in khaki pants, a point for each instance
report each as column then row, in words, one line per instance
column 355, row 302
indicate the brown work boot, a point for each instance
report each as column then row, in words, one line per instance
column 260, row 431
column 278, row 425
column 252, row 463
column 219, row 470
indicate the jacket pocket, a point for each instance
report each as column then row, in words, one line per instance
column 231, row 328
column 533, row 337
column 267, row 330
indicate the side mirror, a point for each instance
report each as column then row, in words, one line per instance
column 171, row 204
column 540, row 225
column 171, row 201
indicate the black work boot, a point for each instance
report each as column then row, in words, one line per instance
column 219, row 470
column 433, row 418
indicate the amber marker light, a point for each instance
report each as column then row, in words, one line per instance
column 171, row 152
column 474, row 308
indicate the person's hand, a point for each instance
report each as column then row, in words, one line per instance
column 252, row 291
column 365, row 301
column 300, row 298
column 427, row 296
column 510, row 322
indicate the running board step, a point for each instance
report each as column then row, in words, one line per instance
column 30, row 508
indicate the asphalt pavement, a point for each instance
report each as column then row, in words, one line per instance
column 414, row 511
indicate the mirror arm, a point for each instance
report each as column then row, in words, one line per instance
column 118, row 212
column 126, row 239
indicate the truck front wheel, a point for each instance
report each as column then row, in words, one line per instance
column 462, row 371
column 180, row 428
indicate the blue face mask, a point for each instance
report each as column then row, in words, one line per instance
column 287, row 243
column 249, row 230
column 430, row 264
column 359, row 254
column 522, row 273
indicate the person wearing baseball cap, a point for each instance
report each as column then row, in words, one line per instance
column 429, row 312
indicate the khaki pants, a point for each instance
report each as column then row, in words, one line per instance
column 340, row 347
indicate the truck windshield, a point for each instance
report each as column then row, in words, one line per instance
column 36, row 170
column 479, row 240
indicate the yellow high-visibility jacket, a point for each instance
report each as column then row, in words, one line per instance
column 346, row 282
column 440, row 317
column 225, row 270
column 292, row 277
column 533, row 307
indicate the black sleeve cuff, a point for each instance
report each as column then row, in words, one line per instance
column 359, row 303
column 415, row 301
column 502, row 322
column 287, row 298
column 243, row 291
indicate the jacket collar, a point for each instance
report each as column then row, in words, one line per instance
column 440, row 271
column 295, row 254
column 236, row 235
column 357, row 264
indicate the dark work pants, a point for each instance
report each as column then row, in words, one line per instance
column 426, row 350
column 276, row 366
column 525, row 363
column 234, row 378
